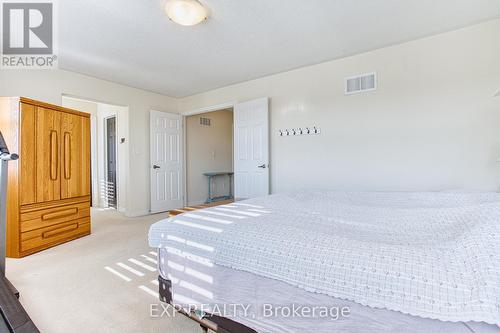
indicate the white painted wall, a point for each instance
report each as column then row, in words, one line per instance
column 50, row 85
column 433, row 123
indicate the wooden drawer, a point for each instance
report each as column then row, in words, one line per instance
column 56, row 234
column 52, row 216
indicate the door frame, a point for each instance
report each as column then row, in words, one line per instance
column 212, row 108
column 202, row 110
column 106, row 161
column 195, row 112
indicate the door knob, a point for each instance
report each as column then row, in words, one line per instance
column 263, row 166
column 156, row 166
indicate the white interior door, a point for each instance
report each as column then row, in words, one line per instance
column 166, row 161
column 251, row 149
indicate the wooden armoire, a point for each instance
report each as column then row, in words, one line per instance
column 48, row 195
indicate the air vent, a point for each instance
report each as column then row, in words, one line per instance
column 205, row 121
column 360, row 83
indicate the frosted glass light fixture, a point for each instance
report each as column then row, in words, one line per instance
column 186, row 12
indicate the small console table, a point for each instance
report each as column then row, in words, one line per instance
column 212, row 175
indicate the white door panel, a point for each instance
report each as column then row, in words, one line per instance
column 166, row 161
column 251, row 156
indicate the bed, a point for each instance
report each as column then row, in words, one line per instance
column 413, row 262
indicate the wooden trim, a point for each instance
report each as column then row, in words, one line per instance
column 174, row 212
column 53, row 107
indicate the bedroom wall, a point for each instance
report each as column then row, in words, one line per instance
column 433, row 123
column 50, row 85
column 98, row 113
column 208, row 149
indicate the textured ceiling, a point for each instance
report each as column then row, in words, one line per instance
column 133, row 43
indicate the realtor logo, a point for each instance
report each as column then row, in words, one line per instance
column 28, row 35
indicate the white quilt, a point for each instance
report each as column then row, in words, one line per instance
column 434, row 255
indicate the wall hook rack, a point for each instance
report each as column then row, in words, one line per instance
column 299, row 131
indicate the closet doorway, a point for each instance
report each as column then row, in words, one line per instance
column 227, row 138
column 209, row 150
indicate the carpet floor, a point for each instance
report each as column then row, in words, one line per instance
column 104, row 282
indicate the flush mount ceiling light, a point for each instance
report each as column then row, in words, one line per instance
column 186, row 12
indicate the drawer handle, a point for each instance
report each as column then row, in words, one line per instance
column 59, row 231
column 61, row 213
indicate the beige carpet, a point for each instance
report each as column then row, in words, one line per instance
column 68, row 289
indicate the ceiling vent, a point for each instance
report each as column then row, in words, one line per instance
column 361, row 83
column 205, row 121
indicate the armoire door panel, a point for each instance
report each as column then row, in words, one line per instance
column 28, row 154
column 75, row 156
column 48, row 152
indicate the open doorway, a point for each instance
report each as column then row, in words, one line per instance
column 225, row 153
column 209, row 157
column 111, row 184
column 109, row 151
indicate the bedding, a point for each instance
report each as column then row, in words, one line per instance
column 432, row 255
column 226, row 286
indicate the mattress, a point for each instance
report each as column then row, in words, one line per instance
column 431, row 255
column 195, row 284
